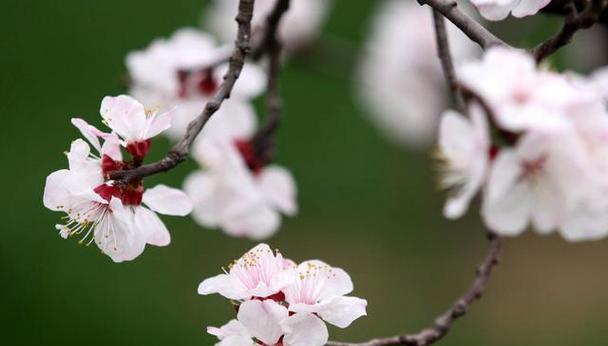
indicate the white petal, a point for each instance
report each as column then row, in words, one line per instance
column 279, row 189
column 200, row 187
column 234, row 333
column 508, row 214
column 124, row 115
column 306, row 330
column 263, row 319
column 224, row 285
column 117, row 236
column 456, row 136
column 342, row 311
column 156, row 124
column 529, row 7
column 56, row 196
column 89, row 132
column 151, row 226
column 257, row 223
column 167, row 200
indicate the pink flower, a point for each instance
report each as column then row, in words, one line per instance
column 522, row 97
column 499, row 9
column 180, row 74
column 237, row 191
column 321, row 289
column 258, row 273
column 270, row 323
column 401, row 82
column 464, row 146
column 299, row 27
column 128, row 118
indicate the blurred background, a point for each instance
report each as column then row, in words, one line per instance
column 367, row 205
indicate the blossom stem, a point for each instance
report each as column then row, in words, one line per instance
column 475, row 31
column 574, row 21
column 444, row 322
column 447, row 63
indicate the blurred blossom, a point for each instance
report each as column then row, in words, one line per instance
column 184, row 72
column 549, row 156
column 500, row 9
column 464, row 146
column 401, row 81
column 280, row 303
column 99, row 210
column 237, row 189
column 299, row 27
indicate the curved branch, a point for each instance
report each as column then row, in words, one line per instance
column 444, row 322
column 179, row 151
column 447, row 63
column 470, row 27
column 574, row 21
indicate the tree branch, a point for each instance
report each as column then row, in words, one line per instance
column 574, row 21
column 264, row 138
column 558, row 7
column 447, row 63
column 179, row 152
column 470, row 27
column 444, row 322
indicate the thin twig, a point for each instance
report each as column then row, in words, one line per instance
column 559, row 7
column 272, row 27
column 264, row 138
column 179, row 152
column 574, row 21
column 447, row 63
column 445, row 321
column 470, row 27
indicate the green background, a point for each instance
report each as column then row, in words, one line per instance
column 366, row 205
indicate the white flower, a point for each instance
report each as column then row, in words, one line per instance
column 538, row 182
column 522, row 97
column 499, row 9
column 237, row 191
column 270, row 323
column 299, row 27
column 401, row 81
column 464, row 146
column 175, row 74
column 321, row 289
column 600, row 80
column 258, row 273
column 113, row 214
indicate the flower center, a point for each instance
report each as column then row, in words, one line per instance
column 202, row 82
column 131, row 194
column 252, row 160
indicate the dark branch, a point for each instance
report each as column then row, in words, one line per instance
column 575, row 20
column 272, row 27
column 444, row 322
column 447, row 63
column 559, row 7
column 470, row 27
column 179, row 152
column 264, row 138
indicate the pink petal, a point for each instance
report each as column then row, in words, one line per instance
column 125, row 116
column 342, row 311
column 306, row 330
column 56, row 195
column 263, row 319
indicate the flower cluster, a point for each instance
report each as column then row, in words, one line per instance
column 500, row 9
column 281, row 303
column 236, row 190
column 401, row 81
column 112, row 214
column 184, row 72
column 544, row 159
column 299, row 27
